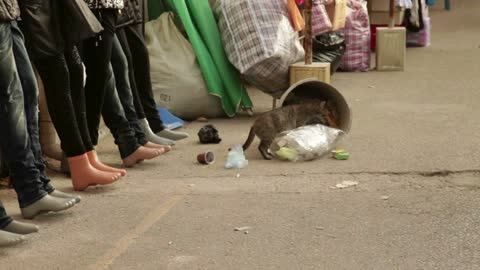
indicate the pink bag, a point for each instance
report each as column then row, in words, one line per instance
column 320, row 21
column 357, row 38
column 422, row 38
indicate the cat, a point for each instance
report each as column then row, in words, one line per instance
column 269, row 124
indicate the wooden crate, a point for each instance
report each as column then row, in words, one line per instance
column 301, row 71
column 391, row 48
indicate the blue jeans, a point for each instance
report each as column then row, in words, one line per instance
column 124, row 89
column 4, row 218
column 19, row 118
column 116, row 120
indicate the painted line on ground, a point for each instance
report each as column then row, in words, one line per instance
column 122, row 245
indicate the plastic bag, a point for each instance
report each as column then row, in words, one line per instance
column 305, row 143
column 177, row 80
column 329, row 48
column 236, row 158
column 320, row 21
column 357, row 37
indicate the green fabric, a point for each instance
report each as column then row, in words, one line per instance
column 207, row 26
column 221, row 78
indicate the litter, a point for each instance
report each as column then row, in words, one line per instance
column 345, row 184
column 209, row 134
column 306, row 143
column 236, row 158
column 384, row 198
column 241, row 229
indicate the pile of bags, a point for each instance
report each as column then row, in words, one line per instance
column 259, row 41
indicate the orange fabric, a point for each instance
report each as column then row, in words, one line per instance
column 296, row 18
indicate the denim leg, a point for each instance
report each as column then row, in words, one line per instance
column 115, row 119
column 4, row 218
column 30, row 94
column 14, row 138
column 120, row 70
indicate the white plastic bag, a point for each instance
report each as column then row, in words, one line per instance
column 177, row 80
column 305, row 143
column 236, row 158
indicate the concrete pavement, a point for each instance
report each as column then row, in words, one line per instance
column 414, row 151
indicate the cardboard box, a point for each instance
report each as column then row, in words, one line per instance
column 383, row 17
column 379, row 5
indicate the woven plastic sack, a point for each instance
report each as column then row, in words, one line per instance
column 177, row 80
column 421, row 38
column 259, row 41
column 357, row 38
column 320, row 21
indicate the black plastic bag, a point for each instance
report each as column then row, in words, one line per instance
column 329, row 48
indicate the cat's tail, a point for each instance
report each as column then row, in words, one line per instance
column 251, row 137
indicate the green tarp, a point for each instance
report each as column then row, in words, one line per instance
column 221, row 77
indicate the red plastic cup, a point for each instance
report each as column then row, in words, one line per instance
column 206, row 158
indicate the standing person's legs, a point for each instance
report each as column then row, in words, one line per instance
column 30, row 94
column 7, row 238
column 4, row 218
column 97, row 52
column 76, row 70
column 124, row 90
column 127, row 91
column 141, row 67
column 141, row 70
column 114, row 116
column 10, row 225
column 14, row 137
column 40, row 23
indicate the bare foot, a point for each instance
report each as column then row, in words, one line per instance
column 97, row 164
column 167, row 148
column 141, row 154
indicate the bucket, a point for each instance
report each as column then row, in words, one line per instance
column 309, row 89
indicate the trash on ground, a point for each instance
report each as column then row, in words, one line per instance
column 237, row 175
column 241, row 229
column 305, row 143
column 340, row 154
column 206, row 158
column 202, row 119
column 320, row 228
column 345, row 184
column 384, row 198
column 170, row 243
column 236, row 158
column 209, row 134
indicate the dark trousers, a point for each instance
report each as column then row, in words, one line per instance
column 61, row 70
column 97, row 52
column 124, row 90
column 4, row 218
column 133, row 44
column 115, row 119
column 18, row 116
column 62, row 76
